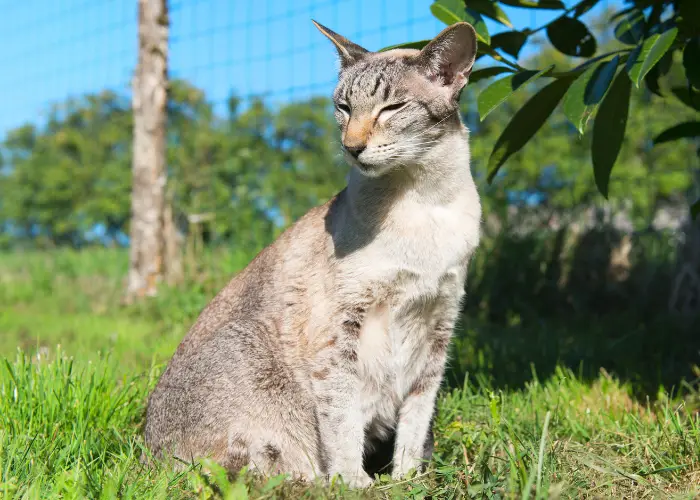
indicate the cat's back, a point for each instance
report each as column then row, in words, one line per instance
column 233, row 352
column 256, row 291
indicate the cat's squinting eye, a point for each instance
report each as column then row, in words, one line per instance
column 392, row 108
column 343, row 107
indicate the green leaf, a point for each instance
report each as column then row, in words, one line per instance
column 664, row 469
column 274, row 481
column 526, row 122
column 571, row 37
column 691, row 62
column 542, row 4
column 509, row 41
column 632, row 58
column 688, row 96
column 690, row 16
column 609, row 130
column 680, row 131
column 475, row 19
column 662, row 68
column 695, row 209
column 493, row 95
column 448, row 11
column 631, row 29
column 645, row 57
column 587, row 92
column 484, row 73
column 239, row 491
column 408, row 45
column 489, row 9
column 584, row 7
column 453, row 11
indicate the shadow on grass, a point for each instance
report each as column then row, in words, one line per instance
column 596, row 301
column 648, row 355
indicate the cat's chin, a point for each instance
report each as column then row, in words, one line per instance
column 372, row 171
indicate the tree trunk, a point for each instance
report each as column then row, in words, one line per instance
column 172, row 244
column 151, row 253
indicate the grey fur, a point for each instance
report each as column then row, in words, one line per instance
column 332, row 342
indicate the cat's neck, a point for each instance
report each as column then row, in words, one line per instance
column 441, row 176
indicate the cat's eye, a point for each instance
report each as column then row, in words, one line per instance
column 389, row 110
column 393, row 107
column 343, row 108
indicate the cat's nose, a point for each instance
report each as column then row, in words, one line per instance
column 355, row 151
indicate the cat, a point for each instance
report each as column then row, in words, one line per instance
column 332, row 342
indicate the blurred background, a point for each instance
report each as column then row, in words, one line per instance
column 563, row 277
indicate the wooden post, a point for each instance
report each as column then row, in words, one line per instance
column 151, row 254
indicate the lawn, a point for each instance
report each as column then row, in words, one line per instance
column 520, row 425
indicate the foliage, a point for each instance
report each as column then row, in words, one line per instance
column 71, row 175
column 650, row 37
column 249, row 169
column 69, row 182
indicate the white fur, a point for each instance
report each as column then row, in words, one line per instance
column 421, row 254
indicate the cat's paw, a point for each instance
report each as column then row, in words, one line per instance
column 357, row 481
column 403, row 471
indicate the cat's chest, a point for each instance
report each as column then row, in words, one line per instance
column 408, row 275
column 418, row 247
column 396, row 336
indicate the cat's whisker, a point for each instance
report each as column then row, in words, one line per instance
column 415, row 150
column 429, row 128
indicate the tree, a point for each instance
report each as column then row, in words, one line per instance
column 153, row 248
column 554, row 171
column 255, row 169
column 69, row 180
column 648, row 35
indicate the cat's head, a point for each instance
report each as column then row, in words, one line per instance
column 393, row 106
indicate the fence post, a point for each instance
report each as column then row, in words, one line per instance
column 151, row 236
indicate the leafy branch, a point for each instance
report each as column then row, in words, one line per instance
column 597, row 89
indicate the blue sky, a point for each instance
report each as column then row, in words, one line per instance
column 52, row 50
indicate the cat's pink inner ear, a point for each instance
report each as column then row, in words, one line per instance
column 449, row 57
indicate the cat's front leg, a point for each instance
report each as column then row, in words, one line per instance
column 341, row 422
column 416, row 413
column 414, row 426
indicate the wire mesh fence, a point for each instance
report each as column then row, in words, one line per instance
column 270, row 48
column 53, row 51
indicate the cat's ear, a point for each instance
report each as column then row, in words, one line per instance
column 449, row 57
column 349, row 52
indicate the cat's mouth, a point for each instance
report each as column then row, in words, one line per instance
column 371, row 166
column 365, row 168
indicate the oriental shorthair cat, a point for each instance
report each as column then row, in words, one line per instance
column 328, row 350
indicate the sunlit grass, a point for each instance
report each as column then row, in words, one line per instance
column 73, row 430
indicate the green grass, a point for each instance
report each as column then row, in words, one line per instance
column 71, row 418
column 72, row 430
column 74, row 298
